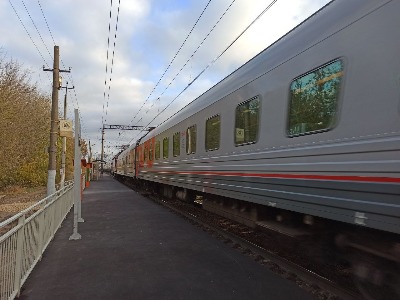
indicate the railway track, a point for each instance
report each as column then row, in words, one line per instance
column 322, row 287
column 239, row 237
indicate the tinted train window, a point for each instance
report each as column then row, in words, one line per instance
column 146, row 152
column 176, row 145
column 246, row 122
column 313, row 100
column 191, row 135
column 165, row 147
column 213, row 132
column 151, row 151
column 157, row 150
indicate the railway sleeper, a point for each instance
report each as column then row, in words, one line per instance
column 257, row 216
column 365, row 256
column 283, row 228
column 232, row 209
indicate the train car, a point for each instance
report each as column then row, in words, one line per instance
column 305, row 133
column 124, row 163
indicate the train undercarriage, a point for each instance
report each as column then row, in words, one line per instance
column 373, row 257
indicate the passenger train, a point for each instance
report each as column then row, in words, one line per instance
column 305, row 135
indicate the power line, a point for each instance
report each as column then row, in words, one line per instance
column 108, row 48
column 37, row 30
column 112, row 60
column 195, row 51
column 48, row 27
column 226, row 49
column 62, row 62
column 169, row 65
column 33, row 42
column 215, row 25
column 173, row 59
column 210, row 64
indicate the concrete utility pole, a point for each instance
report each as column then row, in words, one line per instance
column 77, row 179
column 64, row 139
column 51, row 178
column 102, row 150
column 90, row 153
column 90, row 160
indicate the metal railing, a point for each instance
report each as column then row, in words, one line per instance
column 25, row 237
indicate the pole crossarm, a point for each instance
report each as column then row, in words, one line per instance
column 62, row 71
column 127, row 127
column 67, row 88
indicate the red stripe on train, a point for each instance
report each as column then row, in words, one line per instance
column 290, row 176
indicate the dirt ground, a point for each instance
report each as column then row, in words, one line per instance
column 16, row 199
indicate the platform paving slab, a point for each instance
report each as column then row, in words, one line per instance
column 133, row 248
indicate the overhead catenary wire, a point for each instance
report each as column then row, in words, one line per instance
column 210, row 64
column 109, row 70
column 112, row 59
column 108, row 49
column 173, row 59
column 195, row 51
column 188, row 60
column 226, row 49
column 169, row 65
column 191, row 57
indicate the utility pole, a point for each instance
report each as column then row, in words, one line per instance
column 64, row 139
column 51, row 178
column 90, row 160
column 77, row 179
column 90, row 153
column 102, row 150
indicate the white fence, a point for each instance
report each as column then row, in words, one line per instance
column 26, row 236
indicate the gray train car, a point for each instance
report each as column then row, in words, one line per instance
column 310, row 126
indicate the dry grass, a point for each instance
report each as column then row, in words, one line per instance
column 14, row 199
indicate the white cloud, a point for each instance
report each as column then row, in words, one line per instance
column 149, row 34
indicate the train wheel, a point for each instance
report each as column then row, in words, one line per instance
column 168, row 191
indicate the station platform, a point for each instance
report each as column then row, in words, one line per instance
column 133, row 248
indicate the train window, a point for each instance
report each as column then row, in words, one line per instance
column 191, row 135
column 176, row 145
column 165, row 147
column 157, row 150
column 213, row 132
column 141, row 154
column 246, row 122
column 313, row 100
column 151, row 157
column 146, row 152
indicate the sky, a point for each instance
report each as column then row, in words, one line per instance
column 138, row 80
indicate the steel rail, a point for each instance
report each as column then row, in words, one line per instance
column 290, row 267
